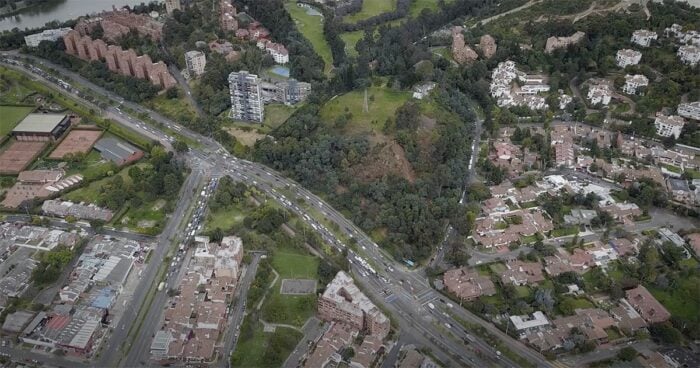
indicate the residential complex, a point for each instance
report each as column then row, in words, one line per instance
column 349, row 313
column 246, row 97
column 689, row 54
column 195, row 62
column 172, row 5
column 554, row 43
column 507, row 93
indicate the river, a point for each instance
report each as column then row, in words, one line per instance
column 61, row 10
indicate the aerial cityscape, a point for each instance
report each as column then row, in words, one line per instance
column 350, row 183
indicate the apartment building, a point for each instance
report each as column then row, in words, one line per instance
column 344, row 302
column 172, row 5
column 643, row 37
column 690, row 110
column 667, row 126
column 633, row 83
column 627, row 57
column 689, row 54
column 195, row 62
column 246, row 97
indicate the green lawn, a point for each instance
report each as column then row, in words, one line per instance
column 11, row 116
column 382, row 104
column 674, row 169
column 680, row 299
column 92, row 167
column 371, row 8
column 276, row 114
column 417, row 6
column 292, row 264
column 11, row 91
column 177, row 108
column 150, row 213
column 694, row 174
column 573, row 230
column 311, row 26
column 224, row 219
column 254, row 345
column 350, row 39
column 92, row 191
column 291, row 309
column 523, row 291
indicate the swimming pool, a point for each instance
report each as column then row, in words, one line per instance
column 282, row 71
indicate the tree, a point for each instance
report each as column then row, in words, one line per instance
column 171, row 93
column 627, row 354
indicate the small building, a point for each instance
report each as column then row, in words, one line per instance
column 15, row 322
column 667, row 126
column 121, row 153
column 52, row 35
column 643, row 37
column 599, row 94
column 41, row 127
column 195, row 62
column 422, row 90
column 633, row 83
column 580, row 217
column 172, row 5
column 626, row 57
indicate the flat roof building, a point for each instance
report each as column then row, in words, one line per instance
column 41, row 127
column 117, row 151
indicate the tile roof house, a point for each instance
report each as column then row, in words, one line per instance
column 468, row 284
column 648, row 307
column 521, row 273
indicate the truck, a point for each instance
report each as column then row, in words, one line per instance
column 161, row 286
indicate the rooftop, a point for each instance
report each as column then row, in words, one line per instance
column 39, row 123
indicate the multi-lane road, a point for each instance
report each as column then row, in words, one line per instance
column 406, row 293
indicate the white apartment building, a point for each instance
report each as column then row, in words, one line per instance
column 196, row 61
column 172, row 5
column 52, row 35
column 633, row 83
column 277, row 50
column 689, row 54
column 690, row 110
column 246, row 97
column 643, row 37
column 627, row 57
column 667, row 126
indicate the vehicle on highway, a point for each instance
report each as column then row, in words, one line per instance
column 161, row 286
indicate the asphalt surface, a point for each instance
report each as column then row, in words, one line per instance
column 413, row 290
column 238, row 311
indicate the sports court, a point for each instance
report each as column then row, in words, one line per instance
column 19, row 155
column 77, row 141
column 297, row 287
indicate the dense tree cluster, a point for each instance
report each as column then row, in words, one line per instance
column 402, row 8
column 51, row 265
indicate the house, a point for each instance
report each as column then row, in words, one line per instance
column 626, row 57
column 667, row 126
column 643, row 37
column 624, row 246
column 554, row 43
column 580, row 216
column 633, row 83
column 528, row 324
column 521, row 273
column 628, row 320
column 680, row 191
column 694, row 242
column 646, row 305
column 468, row 284
column 493, row 206
column 689, row 54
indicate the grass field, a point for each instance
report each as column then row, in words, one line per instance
column 311, row 26
column 253, row 348
column 350, row 39
column 12, row 92
column 224, row 219
column 291, row 309
column 276, row 114
column 681, row 300
column 371, row 8
column 417, row 6
column 150, row 213
column 92, row 191
column 177, row 108
column 382, row 104
column 11, row 116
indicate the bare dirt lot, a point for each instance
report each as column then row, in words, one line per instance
column 77, row 141
column 297, row 287
column 19, row 155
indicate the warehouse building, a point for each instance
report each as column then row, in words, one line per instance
column 121, row 153
column 41, row 127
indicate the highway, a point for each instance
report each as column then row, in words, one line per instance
column 412, row 290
